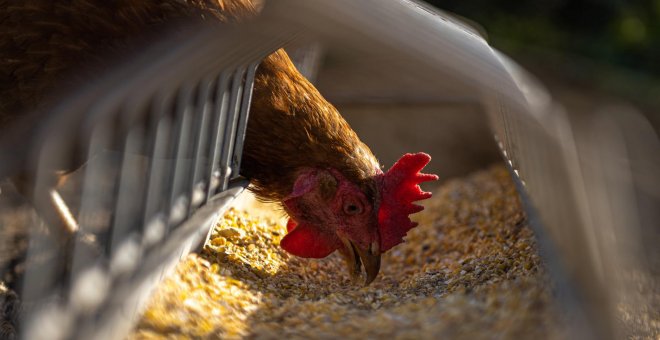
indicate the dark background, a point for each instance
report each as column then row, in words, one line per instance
column 610, row 46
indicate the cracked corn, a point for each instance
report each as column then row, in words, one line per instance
column 471, row 269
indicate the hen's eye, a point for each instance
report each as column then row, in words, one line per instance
column 353, row 209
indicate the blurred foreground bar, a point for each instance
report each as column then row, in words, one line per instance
column 175, row 118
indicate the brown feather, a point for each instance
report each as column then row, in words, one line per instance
column 45, row 43
column 292, row 127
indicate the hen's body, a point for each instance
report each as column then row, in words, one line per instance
column 292, row 127
column 52, row 44
column 298, row 151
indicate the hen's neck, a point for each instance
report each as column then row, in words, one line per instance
column 292, row 127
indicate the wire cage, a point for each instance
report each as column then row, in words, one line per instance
column 157, row 150
column 128, row 203
column 160, row 141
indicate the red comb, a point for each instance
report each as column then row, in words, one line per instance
column 399, row 187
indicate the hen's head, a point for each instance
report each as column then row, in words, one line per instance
column 329, row 212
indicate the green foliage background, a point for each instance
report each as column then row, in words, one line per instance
column 625, row 33
column 611, row 45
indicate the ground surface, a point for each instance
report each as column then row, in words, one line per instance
column 470, row 270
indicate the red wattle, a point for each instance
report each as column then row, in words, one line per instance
column 306, row 241
column 290, row 225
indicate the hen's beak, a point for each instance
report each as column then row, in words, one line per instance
column 357, row 257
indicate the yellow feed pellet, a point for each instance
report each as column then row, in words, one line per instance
column 469, row 270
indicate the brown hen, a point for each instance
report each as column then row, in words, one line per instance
column 299, row 151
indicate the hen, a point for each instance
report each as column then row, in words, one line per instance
column 299, row 151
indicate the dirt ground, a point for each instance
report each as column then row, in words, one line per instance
column 470, row 270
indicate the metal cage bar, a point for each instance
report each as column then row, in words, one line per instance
column 161, row 103
column 159, row 165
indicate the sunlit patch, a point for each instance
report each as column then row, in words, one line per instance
column 470, row 269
